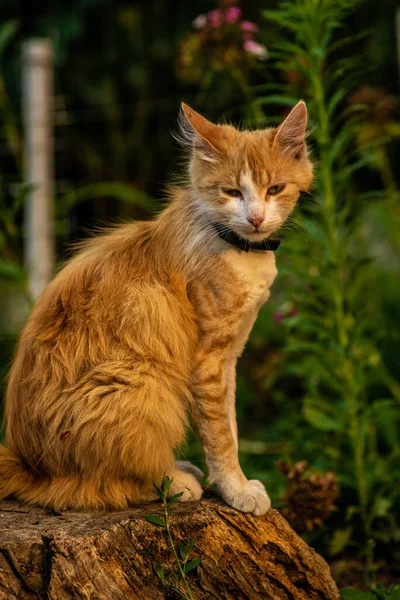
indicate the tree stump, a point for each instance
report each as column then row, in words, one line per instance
column 111, row 555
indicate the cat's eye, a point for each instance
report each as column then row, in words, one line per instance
column 275, row 189
column 233, row 193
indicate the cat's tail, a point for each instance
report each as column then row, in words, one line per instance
column 69, row 491
column 13, row 477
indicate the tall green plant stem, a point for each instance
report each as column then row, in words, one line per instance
column 172, row 546
column 329, row 205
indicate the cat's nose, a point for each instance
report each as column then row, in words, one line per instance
column 256, row 220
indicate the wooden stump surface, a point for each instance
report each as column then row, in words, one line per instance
column 111, row 555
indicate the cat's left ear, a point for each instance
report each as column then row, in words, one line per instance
column 199, row 134
column 291, row 134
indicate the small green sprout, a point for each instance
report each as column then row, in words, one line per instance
column 181, row 552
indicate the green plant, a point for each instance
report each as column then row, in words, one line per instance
column 377, row 593
column 181, row 552
column 333, row 339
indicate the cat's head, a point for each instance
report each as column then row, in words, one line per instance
column 248, row 181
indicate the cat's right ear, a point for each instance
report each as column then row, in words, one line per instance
column 291, row 134
column 198, row 134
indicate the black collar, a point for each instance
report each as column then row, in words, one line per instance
column 228, row 235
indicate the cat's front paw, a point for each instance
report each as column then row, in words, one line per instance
column 250, row 498
column 257, row 484
column 186, row 484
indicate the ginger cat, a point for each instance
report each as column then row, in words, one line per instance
column 145, row 324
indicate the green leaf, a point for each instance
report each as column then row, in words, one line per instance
column 182, row 550
column 159, row 571
column 193, row 564
column 281, row 17
column 339, row 541
column 394, row 592
column 165, row 485
column 385, row 412
column 321, row 420
column 349, row 594
column 348, row 40
column 344, row 174
column 185, row 551
column 381, row 507
column 155, row 519
column 175, row 498
column 158, row 491
column 7, row 30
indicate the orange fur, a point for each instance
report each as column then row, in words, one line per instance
column 145, row 325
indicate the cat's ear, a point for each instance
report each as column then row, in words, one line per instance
column 291, row 134
column 198, row 134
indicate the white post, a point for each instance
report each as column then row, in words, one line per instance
column 38, row 160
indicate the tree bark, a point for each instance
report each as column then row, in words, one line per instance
column 111, row 555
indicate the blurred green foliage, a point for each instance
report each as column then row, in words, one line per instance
column 379, row 592
column 333, row 338
column 319, row 380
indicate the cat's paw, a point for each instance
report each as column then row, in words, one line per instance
column 257, row 484
column 250, row 498
column 187, row 467
column 186, row 483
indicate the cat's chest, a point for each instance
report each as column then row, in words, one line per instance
column 228, row 296
column 255, row 273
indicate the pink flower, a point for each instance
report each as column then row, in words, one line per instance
column 248, row 26
column 215, row 18
column 258, row 50
column 233, row 14
column 199, row 22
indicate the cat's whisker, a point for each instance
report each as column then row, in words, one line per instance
column 293, row 224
